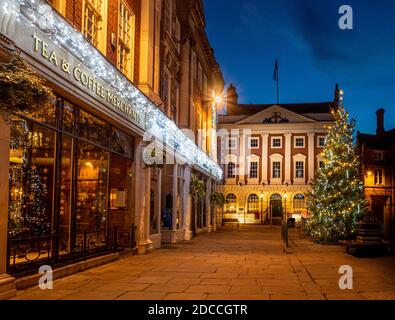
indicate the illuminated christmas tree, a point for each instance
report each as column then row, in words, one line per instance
column 337, row 200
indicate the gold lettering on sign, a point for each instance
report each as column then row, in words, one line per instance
column 86, row 80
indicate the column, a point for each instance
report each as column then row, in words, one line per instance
column 215, row 207
column 265, row 158
column 311, row 160
column 142, row 201
column 159, row 202
column 288, row 158
column 149, row 47
column 175, row 197
column 7, row 283
column 208, row 206
column 187, row 205
column 242, row 160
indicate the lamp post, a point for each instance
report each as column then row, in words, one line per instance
column 261, row 196
column 285, row 198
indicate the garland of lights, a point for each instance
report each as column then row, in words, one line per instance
column 38, row 14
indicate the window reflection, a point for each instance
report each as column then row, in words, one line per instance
column 93, row 129
column 91, row 213
column 31, row 175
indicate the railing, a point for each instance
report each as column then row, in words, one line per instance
column 25, row 255
column 294, row 234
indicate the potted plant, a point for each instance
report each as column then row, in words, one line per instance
column 197, row 191
column 218, row 200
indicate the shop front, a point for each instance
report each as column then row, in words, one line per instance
column 70, row 182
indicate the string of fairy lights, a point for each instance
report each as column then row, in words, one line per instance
column 337, row 202
column 38, row 14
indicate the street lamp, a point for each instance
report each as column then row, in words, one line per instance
column 285, row 197
column 261, row 196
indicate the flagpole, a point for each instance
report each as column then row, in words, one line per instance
column 277, row 79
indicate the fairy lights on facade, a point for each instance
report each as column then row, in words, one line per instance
column 38, row 14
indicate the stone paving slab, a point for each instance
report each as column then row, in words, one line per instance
column 244, row 264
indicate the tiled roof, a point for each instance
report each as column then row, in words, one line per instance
column 382, row 142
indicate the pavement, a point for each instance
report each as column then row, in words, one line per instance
column 244, row 264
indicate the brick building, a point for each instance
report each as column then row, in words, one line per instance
column 270, row 154
column 74, row 179
column 377, row 154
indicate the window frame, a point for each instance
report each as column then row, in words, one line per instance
column 132, row 16
column 272, row 142
column 102, row 24
column 318, row 142
column 250, row 139
column 296, row 138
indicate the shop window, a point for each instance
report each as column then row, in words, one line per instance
column 122, row 143
column 94, row 22
column 69, row 117
column 121, row 174
column 46, row 115
column 93, row 129
column 92, row 193
column 65, row 212
column 126, row 34
column 31, row 182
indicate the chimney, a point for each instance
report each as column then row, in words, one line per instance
column 232, row 99
column 337, row 94
column 380, row 122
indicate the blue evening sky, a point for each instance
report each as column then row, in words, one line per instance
column 314, row 54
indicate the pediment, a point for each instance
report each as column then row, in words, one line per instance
column 276, row 115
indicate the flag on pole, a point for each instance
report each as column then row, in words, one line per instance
column 277, row 79
column 275, row 76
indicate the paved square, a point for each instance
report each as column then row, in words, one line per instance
column 246, row 264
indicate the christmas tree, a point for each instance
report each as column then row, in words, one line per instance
column 337, row 200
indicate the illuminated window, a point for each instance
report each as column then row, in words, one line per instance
column 253, row 204
column 299, row 142
column 379, row 177
column 60, row 6
column 94, row 22
column 276, row 174
column 126, row 30
column 254, row 170
column 299, row 169
column 231, row 170
column 276, row 143
column 231, row 204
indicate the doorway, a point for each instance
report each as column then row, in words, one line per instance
column 276, row 208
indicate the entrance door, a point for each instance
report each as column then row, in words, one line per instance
column 276, row 208
column 378, row 211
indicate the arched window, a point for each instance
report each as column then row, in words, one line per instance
column 253, row 204
column 299, row 203
column 276, row 196
column 231, row 203
column 231, row 170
